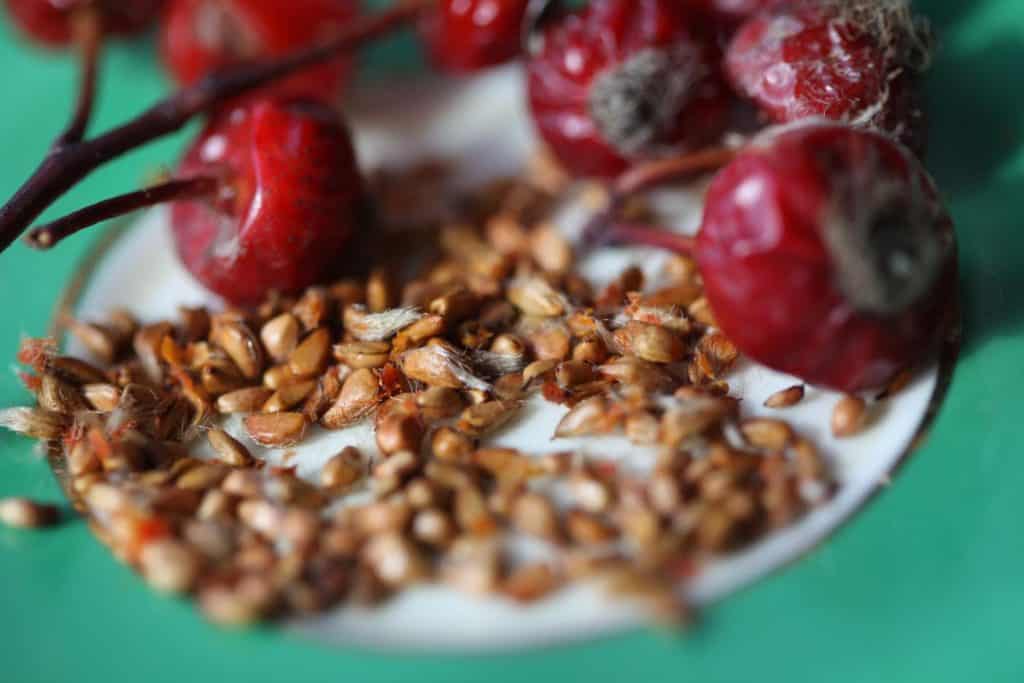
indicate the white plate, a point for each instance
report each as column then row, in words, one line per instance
column 482, row 124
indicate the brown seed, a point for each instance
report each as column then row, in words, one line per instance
column 632, row 371
column 229, row 450
column 507, row 234
column 700, row 310
column 455, row 305
column 229, row 607
column 399, row 432
column 74, row 370
column 100, row 341
column 691, row 418
column 551, row 342
column 59, row 396
column 343, row 470
column 441, row 366
column 289, row 396
column 276, row 429
column 591, row 350
column 572, row 373
column 358, row 354
column 169, row 566
column 451, row 446
column 589, row 417
column 809, row 464
column 313, row 308
column 220, row 376
column 395, row 560
column 716, row 355
column 216, row 504
column 643, row 428
column 786, row 398
column 439, row 403
column 534, row 514
column 641, row 525
column 486, row 417
column 147, row 344
column 280, row 336
column 326, row 392
column 380, row 291
column 203, row 477
column 34, row 423
column 382, row 517
column 247, row 400
column 433, row 527
column 245, row 483
column 419, row 332
column 22, row 513
column 849, row 416
column 651, row 342
column 588, row 529
column 278, row 376
column 472, row 565
column 310, row 357
column 195, row 323
column 359, row 395
column 534, row 296
column 538, row 369
column 550, row 249
column 531, row 582
column 772, row 435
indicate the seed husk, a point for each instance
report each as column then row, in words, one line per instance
column 276, row 429
column 229, row 450
column 359, row 395
column 247, row 400
column 22, row 513
column 310, row 357
column 280, row 336
column 786, row 398
column 849, row 416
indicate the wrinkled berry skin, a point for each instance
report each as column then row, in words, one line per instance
column 583, row 47
column 465, row 36
column 48, row 22
column 200, row 36
column 808, row 61
column 291, row 191
column 773, row 272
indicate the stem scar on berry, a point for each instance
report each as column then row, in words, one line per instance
column 825, row 253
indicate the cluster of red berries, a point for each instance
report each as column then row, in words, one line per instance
column 824, row 248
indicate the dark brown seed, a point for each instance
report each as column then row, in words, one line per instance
column 75, row 371
column 59, row 396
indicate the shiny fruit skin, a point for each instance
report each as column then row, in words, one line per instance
column 48, row 22
column 582, row 46
column 200, row 36
column 465, row 36
column 292, row 190
column 809, row 61
column 771, row 278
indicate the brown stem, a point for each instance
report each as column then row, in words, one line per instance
column 650, row 236
column 648, row 176
column 47, row 236
column 88, row 37
column 64, row 166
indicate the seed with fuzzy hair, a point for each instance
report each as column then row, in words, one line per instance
column 849, row 416
column 786, row 398
column 276, row 429
column 34, row 423
column 280, row 336
column 26, row 514
column 247, row 400
column 440, row 366
column 651, row 342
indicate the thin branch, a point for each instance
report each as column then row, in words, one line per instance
column 47, row 236
column 650, row 236
column 88, row 37
column 66, row 166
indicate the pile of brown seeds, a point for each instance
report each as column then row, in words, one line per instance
column 438, row 364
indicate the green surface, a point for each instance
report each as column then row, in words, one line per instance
column 925, row 585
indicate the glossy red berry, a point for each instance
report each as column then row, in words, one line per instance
column 464, row 36
column 622, row 81
column 200, row 36
column 290, row 191
column 49, row 21
column 854, row 62
column 826, row 254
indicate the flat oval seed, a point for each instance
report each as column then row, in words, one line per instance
column 280, row 336
column 288, row 396
column 786, row 397
column 773, row 435
column 849, row 416
column 276, row 429
column 244, row 400
column 241, row 345
column 310, row 357
column 229, row 450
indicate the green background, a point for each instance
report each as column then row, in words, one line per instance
column 925, row 585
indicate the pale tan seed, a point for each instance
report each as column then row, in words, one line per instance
column 59, row 396
column 534, row 514
column 551, row 342
column 100, row 341
column 241, row 345
column 531, row 582
column 229, row 450
column 359, row 395
column 245, row 483
column 487, row 417
column 550, row 249
column 147, row 344
column 651, row 342
column 169, row 566
column 276, row 429
column 216, row 504
column 641, row 525
column 507, row 234
column 642, row 428
column 227, row 607
column 534, row 296
column 508, row 345
column 765, row 433
column 102, row 397
column 849, row 416
column 280, row 336
column 587, row 418
column 786, row 398
column 380, row 291
column 691, row 418
column 451, row 446
column 313, row 308
column 81, row 459
column 343, row 470
column 289, row 396
column 433, row 527
column 395, row 560
column 585, row 528
column 247, row 400
column 359, row 354
column 472, row 565
column 22, row 513
column 809, row 464
column 310, row 357
column 399, row 432
column 203, row 477
column 423, row 493
column 538, row 369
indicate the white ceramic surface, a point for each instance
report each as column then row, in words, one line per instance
column 482, row 124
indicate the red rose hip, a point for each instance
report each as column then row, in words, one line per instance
column 289, row 191
column 200, row 36
column 826, row 254
column 464, row 36
column 49, row 21
column 622, row 81
column 855, row 62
